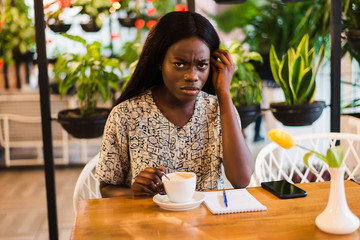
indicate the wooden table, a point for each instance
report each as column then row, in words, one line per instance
column 141, row 218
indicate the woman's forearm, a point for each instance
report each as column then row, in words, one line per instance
column 237, row 158
column 109, row 190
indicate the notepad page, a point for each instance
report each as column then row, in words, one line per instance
column 239, row 200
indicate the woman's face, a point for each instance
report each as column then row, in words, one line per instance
column 185, row 68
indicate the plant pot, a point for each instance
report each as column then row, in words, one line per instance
column 83, row 126
column 128, row 21
column 59, row 27
column 353, row 38
column 90, row 26
column 248, row 114
column 297, row 115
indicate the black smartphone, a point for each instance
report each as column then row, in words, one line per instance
column 283, row 189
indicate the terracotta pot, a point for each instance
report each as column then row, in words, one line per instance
column 83, row 126
column 297, row 115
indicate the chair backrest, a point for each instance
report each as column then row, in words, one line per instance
column 87, row 185
column 275, row 163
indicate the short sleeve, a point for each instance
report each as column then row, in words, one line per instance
column 114, row 163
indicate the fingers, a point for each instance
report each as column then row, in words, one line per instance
column 148, row 182
column 224, row 57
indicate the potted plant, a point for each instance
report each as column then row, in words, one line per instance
column 295, row 74
column 94, row 9
column 351, row 25
column 351, row 29
column 130, row 14
column 245, row 87
column 17, row 31
column 17, row 43
column 54, row 12
column 93, row 75
column 271, row 22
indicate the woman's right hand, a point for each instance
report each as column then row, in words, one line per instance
column 148, row 182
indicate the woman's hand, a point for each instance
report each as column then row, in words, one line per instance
column 223, row 70
column 148, row 182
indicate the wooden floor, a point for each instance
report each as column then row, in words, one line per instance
column 23, row 210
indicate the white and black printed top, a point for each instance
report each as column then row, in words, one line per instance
column 137, row 135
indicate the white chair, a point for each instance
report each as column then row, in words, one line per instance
column 275, row 163
column 87, row 186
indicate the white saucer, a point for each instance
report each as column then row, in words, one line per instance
column 164, row 202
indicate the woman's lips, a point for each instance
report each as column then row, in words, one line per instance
column 190, row 90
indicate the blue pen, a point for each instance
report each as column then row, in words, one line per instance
column 225, row 198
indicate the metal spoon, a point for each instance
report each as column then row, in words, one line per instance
column 166, row 176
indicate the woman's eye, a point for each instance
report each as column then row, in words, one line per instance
column 203, row 65
column 180, row 65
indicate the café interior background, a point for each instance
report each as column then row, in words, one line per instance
column 23, row 213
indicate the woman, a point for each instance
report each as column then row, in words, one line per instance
column 165, row 122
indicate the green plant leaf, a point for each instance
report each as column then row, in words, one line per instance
column 255, row 56
column 103, row 89
column 303, row 46
column 310, row 58
column 353, row 104
column 296, row 74
column 306, row 161
column 308, row 96
column 274, row 64
column 75, row 38
column 307, row 156
column 303, row 94
column 335, row 156
column 284, row 79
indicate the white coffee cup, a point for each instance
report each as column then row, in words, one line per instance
column 181, row 186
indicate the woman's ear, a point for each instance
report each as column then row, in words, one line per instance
column 160, row 67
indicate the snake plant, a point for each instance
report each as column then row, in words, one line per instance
column 296, row 71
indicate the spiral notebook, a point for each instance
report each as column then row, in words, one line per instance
column 239, row 200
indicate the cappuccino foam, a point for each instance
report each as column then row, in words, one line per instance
column 180, row 176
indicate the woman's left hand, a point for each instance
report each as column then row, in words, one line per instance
column 223, row 70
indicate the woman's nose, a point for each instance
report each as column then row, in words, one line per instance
column 191, row 76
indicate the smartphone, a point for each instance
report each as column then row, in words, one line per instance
column 283, row 189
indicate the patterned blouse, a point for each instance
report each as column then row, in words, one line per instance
column 137, row 135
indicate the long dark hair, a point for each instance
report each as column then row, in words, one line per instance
column 170, row 29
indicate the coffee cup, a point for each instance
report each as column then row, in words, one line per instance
column 181, row 186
